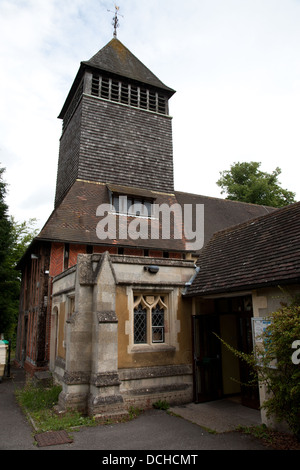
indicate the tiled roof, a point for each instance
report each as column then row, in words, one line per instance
column 75, row 219
column 221, row 213
column 117, row 59
column 258, row 253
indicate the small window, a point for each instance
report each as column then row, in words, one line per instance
column 149, row 319
column 135, row 207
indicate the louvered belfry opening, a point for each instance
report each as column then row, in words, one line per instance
column 129, row 94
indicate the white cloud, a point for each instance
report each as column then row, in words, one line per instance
column 235, row 66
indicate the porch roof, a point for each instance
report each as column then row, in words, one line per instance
column 258, row 253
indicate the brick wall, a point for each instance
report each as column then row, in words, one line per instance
column 57, row 254
column 73, row 253
column 56, row 259
column 113, row 250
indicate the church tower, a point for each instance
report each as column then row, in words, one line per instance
column 116, row 125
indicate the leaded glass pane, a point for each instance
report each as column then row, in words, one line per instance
column 158, row 322
column 148, row 209
column 140, row 325
column 116, row 203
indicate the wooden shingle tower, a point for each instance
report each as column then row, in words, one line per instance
column 116, row 125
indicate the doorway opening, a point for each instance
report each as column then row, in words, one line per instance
column 218, row 373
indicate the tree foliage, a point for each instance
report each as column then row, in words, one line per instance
column 5, row 243
column 245, row 182
column 283, row 380
column 14, row 239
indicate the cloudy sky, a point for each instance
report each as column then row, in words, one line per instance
column 235, row 65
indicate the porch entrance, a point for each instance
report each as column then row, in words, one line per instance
column 218, row 373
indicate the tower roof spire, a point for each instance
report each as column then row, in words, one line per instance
column 115, row 21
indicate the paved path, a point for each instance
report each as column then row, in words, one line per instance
column 219, row 416
column 153, row 430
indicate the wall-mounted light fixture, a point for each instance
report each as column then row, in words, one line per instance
column 34, row 256
column 152, row 269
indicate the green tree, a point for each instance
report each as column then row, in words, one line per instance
column 5, row 243
column 245, row 182
column 14, row 240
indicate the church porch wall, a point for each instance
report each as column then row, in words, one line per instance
column 267, row 301
column 178, row 350
column 104, row 393
column 101, row 375
column 144, row 386
column 74, row 398
column 163, row 372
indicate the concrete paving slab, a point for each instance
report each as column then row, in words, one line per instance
column 219, row 416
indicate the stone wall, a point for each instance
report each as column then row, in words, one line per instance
column 101, row 373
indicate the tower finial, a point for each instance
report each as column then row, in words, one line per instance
column 115, row 21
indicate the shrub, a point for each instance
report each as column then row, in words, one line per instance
column 273, row 366
column 282, row 381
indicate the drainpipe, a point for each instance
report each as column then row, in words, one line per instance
column 190, row 282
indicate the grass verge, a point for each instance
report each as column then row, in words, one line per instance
column 38, row 403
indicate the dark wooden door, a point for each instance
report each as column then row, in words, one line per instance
column 249, row 386
column 207, row 358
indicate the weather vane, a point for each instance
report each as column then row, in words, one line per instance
column 115, row 21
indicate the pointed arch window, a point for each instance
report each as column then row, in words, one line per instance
column 150, row 313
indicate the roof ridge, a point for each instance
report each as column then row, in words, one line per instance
column 276, row 212
column 226, row 200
